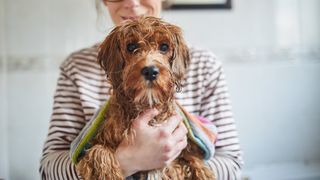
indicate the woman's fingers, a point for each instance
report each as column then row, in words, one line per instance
column 155, row 146
column 177, row 150
column 143, row 119
column 172, row 123
column 180, row 132
column 175, row 143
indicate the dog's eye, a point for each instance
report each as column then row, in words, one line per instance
column 164, row 47
column 131, row 47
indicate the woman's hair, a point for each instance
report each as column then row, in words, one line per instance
column 166, row 4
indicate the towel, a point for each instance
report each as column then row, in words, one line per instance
column 201, row 131
column 83, row 141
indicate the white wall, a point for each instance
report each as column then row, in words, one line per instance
column 249, row 24
column 28, row 114
column 3, row 102
column 270, row 51
column 277, row 108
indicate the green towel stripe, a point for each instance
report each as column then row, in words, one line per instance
column 90, row 133
column 187, row 124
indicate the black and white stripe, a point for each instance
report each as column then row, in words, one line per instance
column 82, row 88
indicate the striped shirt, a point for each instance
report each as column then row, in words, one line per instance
column 82, row 88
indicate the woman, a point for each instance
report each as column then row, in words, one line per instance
column 82, row 88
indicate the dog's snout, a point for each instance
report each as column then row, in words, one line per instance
column 150, row 72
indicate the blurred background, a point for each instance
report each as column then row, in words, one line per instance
column 271, row 54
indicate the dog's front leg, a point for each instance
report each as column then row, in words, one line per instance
column 99, row 163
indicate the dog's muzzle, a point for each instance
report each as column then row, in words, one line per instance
column 150, row 73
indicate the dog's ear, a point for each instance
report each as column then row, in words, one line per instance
column 110, row 57
column 181, row 57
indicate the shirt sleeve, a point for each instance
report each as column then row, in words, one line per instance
column 67, row 120
column 216, row 106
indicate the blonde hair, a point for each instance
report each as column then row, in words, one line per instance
column 166, row 4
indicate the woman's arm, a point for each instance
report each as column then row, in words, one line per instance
column 67, row 120
column 216, row 106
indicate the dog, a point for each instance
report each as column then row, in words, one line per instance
column 145, row 61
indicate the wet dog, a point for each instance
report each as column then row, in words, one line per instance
column 145, row 61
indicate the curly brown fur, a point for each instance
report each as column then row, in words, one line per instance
column 155, row 43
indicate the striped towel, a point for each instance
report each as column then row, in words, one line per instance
column 201, row 131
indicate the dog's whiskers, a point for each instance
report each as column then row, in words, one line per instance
column 150, row 98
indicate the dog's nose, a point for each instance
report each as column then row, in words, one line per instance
column 150, row 72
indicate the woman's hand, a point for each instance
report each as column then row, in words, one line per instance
column 154, row 146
